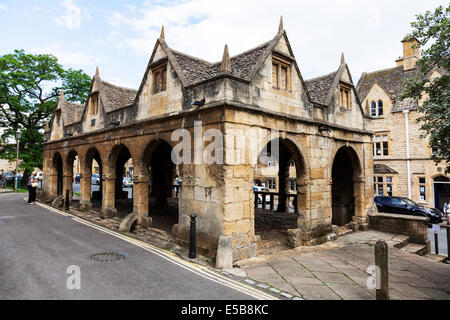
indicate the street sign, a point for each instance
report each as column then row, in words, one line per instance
column 436, row 228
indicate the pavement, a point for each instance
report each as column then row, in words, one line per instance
column 5, row 191
column 43, row 252
column 339, row 272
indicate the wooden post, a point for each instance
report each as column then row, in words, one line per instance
column 436, row 243
column 381, row 262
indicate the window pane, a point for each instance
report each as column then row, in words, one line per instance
column 380, row 179
column 421, row 180
column 374, row 109
column 378, row 149
column 283, row 78
column 389, row 179
column 380, row 190
column 389, row 190
column 275, row 75
column 385, row 149
column 380, row 108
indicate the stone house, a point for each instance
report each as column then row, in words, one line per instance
column 245, row 104
column 402, row 160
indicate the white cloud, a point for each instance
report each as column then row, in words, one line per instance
column 72, row 17
column 368, row 32
column 2, row 7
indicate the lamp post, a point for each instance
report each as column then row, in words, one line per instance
column 18, row 136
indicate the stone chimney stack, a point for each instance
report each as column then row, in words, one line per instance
column 411, row 53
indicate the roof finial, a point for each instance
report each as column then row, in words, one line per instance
column 97, row 73
column 281, row 27
column 342, row 58
column 162, row 36
column 61, row 95
column 226, row 62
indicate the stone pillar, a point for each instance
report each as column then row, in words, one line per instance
column 67, row 184
column 140, row 200
column 108, row 197
column 304, row 206
column 85, row 190
column 360, row 205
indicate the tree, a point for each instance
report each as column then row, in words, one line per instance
column 433, row 29
column 29, row 89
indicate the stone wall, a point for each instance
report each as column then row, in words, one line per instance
column 414, row 227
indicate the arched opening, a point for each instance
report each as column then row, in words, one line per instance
column 92, row 175
column 73, row 168
column 441, row 191
column 165, row 182
column 277, row 176
column 345, row 174
column 58, row 182
column 122, row 164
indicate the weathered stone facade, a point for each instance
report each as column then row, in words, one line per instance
column 408, row 155
column 244, row 98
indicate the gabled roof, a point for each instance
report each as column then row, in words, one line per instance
column 390, row 80
column 319, row 87
column 115, row 97
column 193, row 71
column 71, row 112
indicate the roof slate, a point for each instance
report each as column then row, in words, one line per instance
column 71, row 112
column 382, row 168
column 115, row 97
column 391, row 81
column 318, row 88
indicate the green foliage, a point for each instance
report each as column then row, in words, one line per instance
column 432, row 29
column 29, row 89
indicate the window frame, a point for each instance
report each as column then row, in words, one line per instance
column 159, row 78
column 345, row 95
column 382, row 144
column 279, row 64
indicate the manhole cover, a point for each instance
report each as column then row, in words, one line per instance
column 107, row 257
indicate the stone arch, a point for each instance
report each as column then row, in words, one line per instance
column 91, row 189
column 57, row 174
column 347, row 186
column 68, row 171
column 299, row 197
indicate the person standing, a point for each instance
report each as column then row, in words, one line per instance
column 32, row 185
column 447, row 210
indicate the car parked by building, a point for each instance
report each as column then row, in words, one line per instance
column 95, row 179
column 127, row 182
column 400, row 205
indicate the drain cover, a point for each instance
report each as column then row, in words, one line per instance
column 107, row 257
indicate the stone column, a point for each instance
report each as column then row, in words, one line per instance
column 358, row 194
column 140, row 200
column 108, row 197
column 67, row 184
column 85, row 186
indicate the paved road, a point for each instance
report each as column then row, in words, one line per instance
column 38, row 245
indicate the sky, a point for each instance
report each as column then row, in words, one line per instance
column 118, row 36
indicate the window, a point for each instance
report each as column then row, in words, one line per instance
column 376, row 110
column 382, row 184
column 292, row 185
column 380, row 108
column 159, row 79
column 345, row 96
column 281, row 70
column 381, row 145
column 422, row 189
column 373, row 109
column 271, row 184
column 94, row 104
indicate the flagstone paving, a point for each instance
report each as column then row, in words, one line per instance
column 340, row 273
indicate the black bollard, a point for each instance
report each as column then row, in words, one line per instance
column 436, row 243
column 192, row 239
column 67, row 200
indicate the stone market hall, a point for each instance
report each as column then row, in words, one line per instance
column 324, row 138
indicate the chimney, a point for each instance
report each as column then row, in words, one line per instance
column 411, row 53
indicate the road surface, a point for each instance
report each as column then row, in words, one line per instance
column 39, row 246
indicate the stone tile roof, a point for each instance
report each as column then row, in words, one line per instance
column 382, row 169
column 196, row 70
column 115, row 97
column 318, row 88
column 71, row 112
column 391, row 81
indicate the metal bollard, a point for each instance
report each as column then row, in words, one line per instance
column 448, row 243
column 436, row 243
column 192, row 238
column 381, row 262
column 67, row 200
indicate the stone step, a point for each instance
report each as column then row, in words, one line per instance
column 415, row 248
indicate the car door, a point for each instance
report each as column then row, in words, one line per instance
column 399, row 206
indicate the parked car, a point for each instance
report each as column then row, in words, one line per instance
column 260, row 197
column 95, row 179
column 10, row 176
column 127, row 182
column 400, row 205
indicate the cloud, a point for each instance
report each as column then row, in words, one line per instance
column 2, row 7
column 72, row 17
